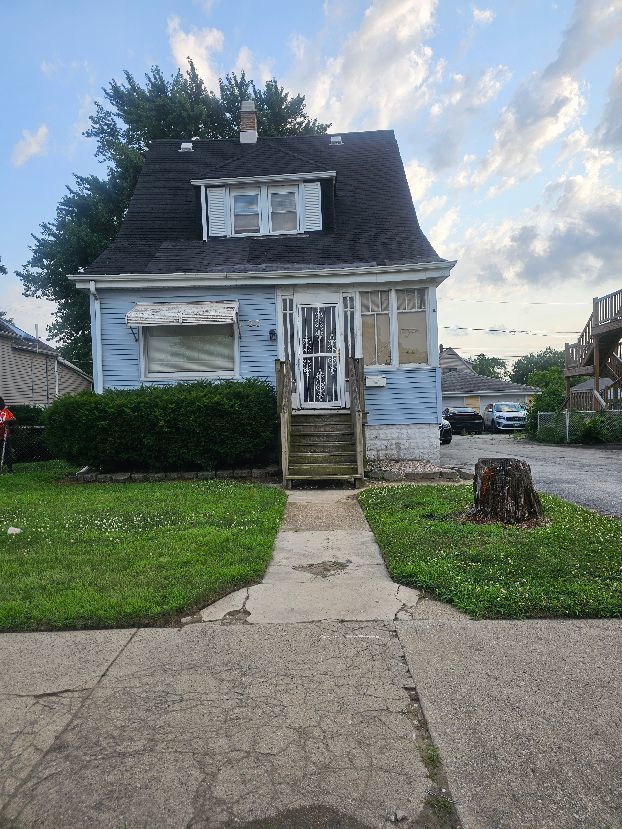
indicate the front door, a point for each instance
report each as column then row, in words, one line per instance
column 319, row 360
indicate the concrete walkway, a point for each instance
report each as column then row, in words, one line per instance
column 311, row 702
column 326, row 566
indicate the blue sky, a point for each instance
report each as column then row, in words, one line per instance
column 508, row 115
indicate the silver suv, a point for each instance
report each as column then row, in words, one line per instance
column 504, row 417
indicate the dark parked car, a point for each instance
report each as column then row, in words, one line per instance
column 444, row 431
column 464, row 419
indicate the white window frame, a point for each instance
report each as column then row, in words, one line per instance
column 293, row 188
column 265, row 215
column 147, row 377
column 244, row 191
column 430, row 308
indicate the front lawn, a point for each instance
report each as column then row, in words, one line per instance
column 104, row 555
column 571, row 567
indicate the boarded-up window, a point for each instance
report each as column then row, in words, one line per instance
column 412, row 330
column 189, row 349
column 376, row 328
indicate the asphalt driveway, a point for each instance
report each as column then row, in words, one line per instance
column 587, row 475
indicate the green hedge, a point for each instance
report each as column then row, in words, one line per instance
column 188, row 426
column 28, row 415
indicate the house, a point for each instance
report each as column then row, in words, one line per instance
column 462, row 386
column 298, row 259
column 32, row 372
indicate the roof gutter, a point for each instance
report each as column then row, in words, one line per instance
column 366, row 273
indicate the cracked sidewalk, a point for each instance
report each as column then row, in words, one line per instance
column 326, row 566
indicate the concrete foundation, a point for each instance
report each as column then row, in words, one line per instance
column 399, row 442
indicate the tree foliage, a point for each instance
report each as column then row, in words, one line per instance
column 536, row 361
column 89, row 215
column 3, row 272
column 489, row 366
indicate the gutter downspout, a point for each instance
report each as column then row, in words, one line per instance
column 96, row 327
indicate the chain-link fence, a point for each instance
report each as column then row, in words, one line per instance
column 29, row 444
column 580, row 427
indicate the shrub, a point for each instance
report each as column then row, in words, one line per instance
column 28, row 415
column 186, row 426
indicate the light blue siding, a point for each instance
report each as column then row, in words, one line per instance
column 120, row 351
column 410, row 396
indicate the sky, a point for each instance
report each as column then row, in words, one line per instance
column 508, row 114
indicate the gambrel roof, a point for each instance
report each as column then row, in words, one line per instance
column 368, row 217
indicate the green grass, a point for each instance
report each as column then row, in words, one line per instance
column 572, row 567
column 103, row 555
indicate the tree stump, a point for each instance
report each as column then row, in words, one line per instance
column 503, row 491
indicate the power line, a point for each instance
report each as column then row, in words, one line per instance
column 507, row 301
column 511, row 331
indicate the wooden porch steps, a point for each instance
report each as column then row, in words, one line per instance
column 322, row 446
column 325, row 445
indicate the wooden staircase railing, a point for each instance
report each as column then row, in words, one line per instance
column 356, row 378
column 597, row 352
column 284, row 406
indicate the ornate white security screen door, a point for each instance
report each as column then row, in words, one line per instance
column 319, row 363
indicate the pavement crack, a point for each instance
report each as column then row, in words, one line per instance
column 238, row 616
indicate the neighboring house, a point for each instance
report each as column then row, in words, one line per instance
column 252, row 258
column 462, row 386
column 32, row 372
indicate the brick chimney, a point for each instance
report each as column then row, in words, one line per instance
column 248, row 123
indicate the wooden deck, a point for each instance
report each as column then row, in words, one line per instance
column 598, row 353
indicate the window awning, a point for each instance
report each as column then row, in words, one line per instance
column 182, row 313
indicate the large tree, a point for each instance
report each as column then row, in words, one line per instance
column 3, row 272
column 537, row 361
column 88, row 217
column 489, row 366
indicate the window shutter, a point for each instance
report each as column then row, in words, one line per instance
column 216, row 212
column 313, row 205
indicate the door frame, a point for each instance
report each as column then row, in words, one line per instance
column 324, row 298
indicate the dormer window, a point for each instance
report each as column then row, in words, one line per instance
column 264, row 210
column 246, row 215
column 283, row 210
column 262, row 205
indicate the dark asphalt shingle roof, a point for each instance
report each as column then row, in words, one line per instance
column 368, row 215
column 454, row 381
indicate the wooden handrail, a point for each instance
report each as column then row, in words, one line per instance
column 356, row 377
column 284, row 405
column 608, row 308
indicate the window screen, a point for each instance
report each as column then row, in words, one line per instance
column 376, row 328
column 283, row 211
column 246, row 213
column 189, row 349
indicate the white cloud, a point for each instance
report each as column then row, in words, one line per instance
column 609, row 131
column 419, row 179
column 380, row 75
column 549, row 104
column 29, row 145
column 571, row 237
column 540, row 112
column 459, row 106
column 483, row 16
column 198, row 44
column 244, row 62
column 430, row 206
column 595, row 25
column 444, row 229
column 50, row 67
